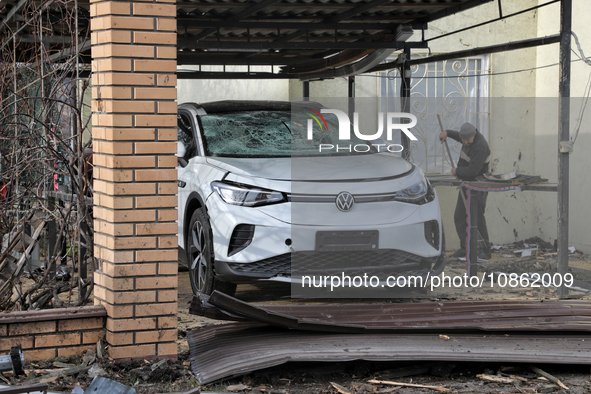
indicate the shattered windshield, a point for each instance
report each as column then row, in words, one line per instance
column 265, row 134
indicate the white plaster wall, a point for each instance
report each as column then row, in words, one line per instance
column 546, row 160
column 205, row 90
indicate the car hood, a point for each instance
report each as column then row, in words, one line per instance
column 363, row 167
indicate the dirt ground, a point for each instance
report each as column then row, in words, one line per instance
column 354, row 377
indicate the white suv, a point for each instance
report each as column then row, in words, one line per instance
column 257, row 199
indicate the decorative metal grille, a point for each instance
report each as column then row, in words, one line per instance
column 457, row 90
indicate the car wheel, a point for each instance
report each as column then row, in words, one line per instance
column 199, row 249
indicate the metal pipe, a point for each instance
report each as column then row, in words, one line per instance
column 564, row 136
column 405, row 90
column 472, row 246
column 451, row 158
column 533, row 42
column 351, row 81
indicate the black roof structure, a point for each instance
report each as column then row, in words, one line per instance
column 297, row 37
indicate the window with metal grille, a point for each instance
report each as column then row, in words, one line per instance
column 457, row 90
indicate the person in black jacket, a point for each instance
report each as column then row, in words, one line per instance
column 474, row 161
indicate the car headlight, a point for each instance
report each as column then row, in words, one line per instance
column 248, row 196
column 419, row 193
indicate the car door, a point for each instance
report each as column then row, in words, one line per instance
column 187, row 149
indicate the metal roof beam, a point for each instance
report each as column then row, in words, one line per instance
column 237, row 46
column 230, row 59
column 232, row 75
column 313, row 5
column 188, row 22
column 374, row 18
column 344, row 57
column 355, row 68
column 533, row 42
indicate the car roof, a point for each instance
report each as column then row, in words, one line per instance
column 245, row 105
column 249, row 105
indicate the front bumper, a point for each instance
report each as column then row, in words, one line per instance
column 381, row 263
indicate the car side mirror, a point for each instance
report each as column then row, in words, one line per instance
column 181, row 150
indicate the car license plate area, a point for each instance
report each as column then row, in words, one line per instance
column 339, row 241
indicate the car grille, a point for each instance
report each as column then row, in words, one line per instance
column 277, row 265
column 375, row 262
column 379, row 262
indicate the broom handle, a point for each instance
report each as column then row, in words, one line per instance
column 451, row 159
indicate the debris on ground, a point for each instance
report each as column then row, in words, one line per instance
column 66, row 374
column 101, row 385
column 436, row 388
column 549, row 377
column 13, row 362
column 533, row 266
column 353, row 377
column 313, row 377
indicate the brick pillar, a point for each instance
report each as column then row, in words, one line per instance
column 134, row 140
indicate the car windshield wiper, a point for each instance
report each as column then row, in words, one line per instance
column 285, row 124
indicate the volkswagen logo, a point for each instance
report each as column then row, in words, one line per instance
column 345, row 201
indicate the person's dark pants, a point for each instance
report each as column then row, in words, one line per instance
column 460, row 217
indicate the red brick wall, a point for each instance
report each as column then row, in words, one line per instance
column 52, row 333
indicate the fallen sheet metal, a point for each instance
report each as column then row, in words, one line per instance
column 230, row 349
column 552, row 331
column 100, row 385
column 509, row 315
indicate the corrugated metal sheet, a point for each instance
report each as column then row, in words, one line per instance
column 236, row 348
column 552, row 331
column 506, row 315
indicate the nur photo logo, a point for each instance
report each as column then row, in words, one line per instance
column 393, row 121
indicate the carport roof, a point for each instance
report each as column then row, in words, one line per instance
column 300, row 36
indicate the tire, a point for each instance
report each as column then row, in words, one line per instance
column 200, row 258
